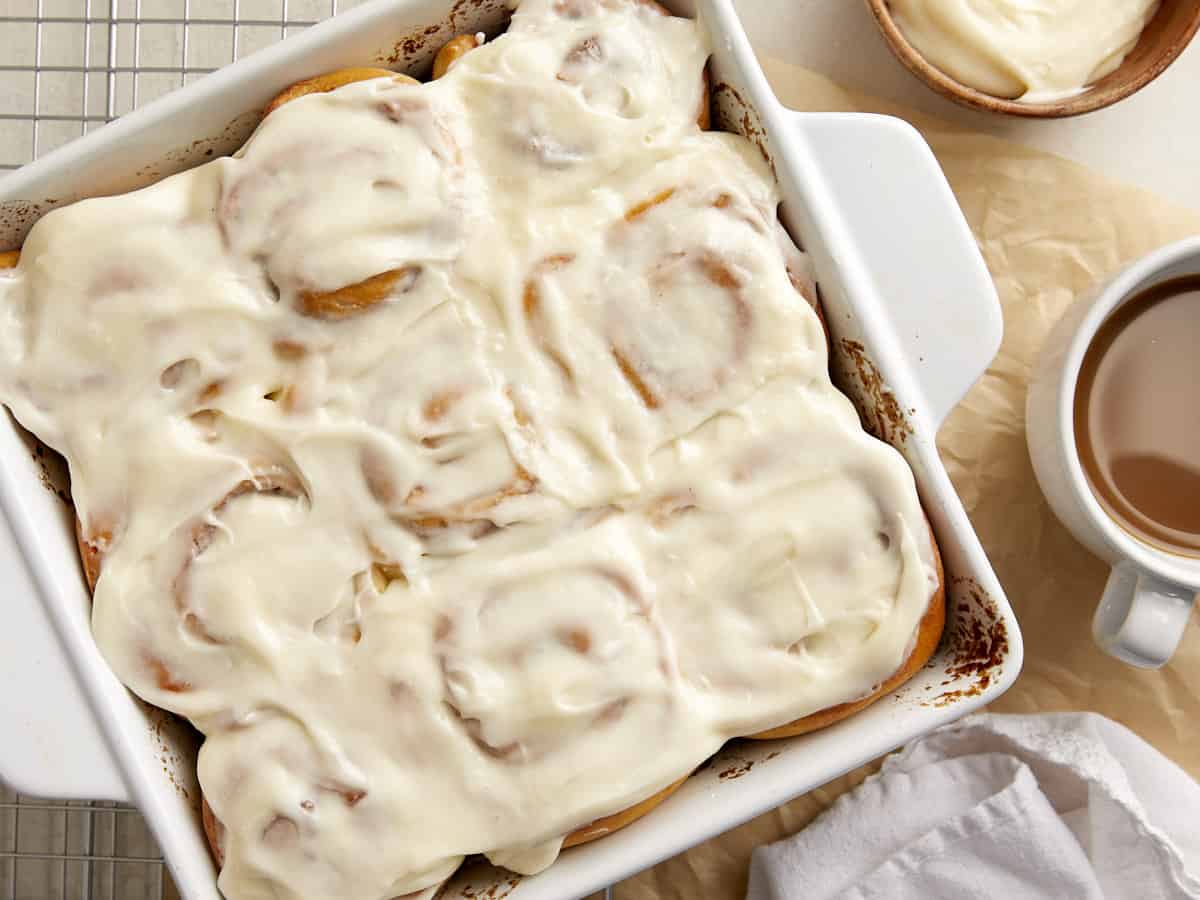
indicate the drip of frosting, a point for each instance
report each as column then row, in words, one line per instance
column 451, row 446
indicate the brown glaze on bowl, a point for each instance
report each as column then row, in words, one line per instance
column 1161, row 42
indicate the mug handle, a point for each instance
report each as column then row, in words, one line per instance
column 1141, row 618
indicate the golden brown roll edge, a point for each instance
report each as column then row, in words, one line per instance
column 328, row 81
column 929, row 634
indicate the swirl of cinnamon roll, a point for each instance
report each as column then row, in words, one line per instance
column 198, row 613
column 606, row 73
column 694, row 322
column 338, row 262
column 594, row 662
column 451, row 478
column 679, row 321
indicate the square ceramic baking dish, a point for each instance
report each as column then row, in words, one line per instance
column 914, row 321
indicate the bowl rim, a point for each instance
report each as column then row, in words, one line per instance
column 1085, row 101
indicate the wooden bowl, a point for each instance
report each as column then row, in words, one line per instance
column 1162, row 40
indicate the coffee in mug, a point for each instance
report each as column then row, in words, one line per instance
column 1137, row 415
column 1113, row 422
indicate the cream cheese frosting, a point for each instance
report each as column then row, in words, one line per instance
column 1034, row 50
column 516, row 546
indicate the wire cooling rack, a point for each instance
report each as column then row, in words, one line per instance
column 66, row 68
column 69, row 66
column 77, row 850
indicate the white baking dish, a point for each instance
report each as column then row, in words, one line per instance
column 914, row 320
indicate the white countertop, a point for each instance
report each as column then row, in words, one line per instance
column 1151, row 139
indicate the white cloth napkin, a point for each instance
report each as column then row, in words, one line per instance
column 1064, row 805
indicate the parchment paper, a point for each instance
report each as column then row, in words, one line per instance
column 1049, row 229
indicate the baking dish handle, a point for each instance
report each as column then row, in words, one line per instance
column 912, row 238
column 51, row 744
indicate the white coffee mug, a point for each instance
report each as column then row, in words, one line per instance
column 1150, row 592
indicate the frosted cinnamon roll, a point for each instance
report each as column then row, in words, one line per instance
column 400, row 144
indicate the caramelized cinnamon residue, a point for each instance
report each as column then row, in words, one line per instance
column 638, row 210
column 719, row 273
column 635, row 380
column 499, row 889
column 359, row 297
column 741, row 765
column 978, row 644
column 881, row 413
column 577, row 639
column 164, row 678
column 290, row 350
column 439, row 404
column 210, row 392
